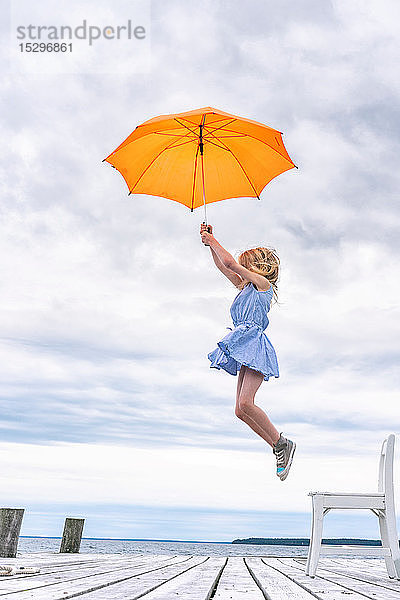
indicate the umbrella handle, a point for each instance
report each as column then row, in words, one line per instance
column 209, row 228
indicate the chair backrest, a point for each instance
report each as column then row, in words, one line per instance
column 385, row 480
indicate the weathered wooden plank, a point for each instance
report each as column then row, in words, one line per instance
column 236, row 582
column 47, row 565
column 39, row 559
column 370, row 590
column 327, row 549
column 72, row 571
column 375, row 565
column 92, row 586
column 276, row 585
column 83, row 577
column 366, row 576
column 195, row 584
column 356, row 563
column 196, row 578
column 317, row 586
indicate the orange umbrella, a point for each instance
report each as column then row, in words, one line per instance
column 200, row 156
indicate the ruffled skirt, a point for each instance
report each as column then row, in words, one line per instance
column 245, row 345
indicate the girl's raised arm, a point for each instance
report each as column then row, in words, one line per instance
column 233, row 277
column 230, row 263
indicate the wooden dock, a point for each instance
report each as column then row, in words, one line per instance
column 165, row 577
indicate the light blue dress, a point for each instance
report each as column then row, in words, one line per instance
column 247, row 344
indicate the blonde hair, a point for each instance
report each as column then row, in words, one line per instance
column 263, row 261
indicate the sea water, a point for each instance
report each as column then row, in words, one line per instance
column 110, row 546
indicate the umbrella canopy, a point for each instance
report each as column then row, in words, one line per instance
column 200, row 156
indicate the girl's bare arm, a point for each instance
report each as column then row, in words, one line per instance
column 230, row 263
column 233, row 277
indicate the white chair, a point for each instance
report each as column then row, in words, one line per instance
column 381, row 504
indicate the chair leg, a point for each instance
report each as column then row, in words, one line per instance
column 385, row 543
column 390, row 529
column 316, row 535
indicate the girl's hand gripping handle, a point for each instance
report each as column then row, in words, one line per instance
column 206, row 233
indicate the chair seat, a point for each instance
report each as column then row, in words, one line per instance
column 344, row 500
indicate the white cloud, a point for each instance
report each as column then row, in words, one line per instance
column 192, row 477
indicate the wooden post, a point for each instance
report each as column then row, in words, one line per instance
column 72, row 535
column 10, row 525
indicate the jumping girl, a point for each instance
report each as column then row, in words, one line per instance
column 246, row 348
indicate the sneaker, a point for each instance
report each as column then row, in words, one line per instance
column 284, row 451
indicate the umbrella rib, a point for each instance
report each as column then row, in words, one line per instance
column 221, row 126
column 212, row 122
column 218, row 146
column 248, row 178
column 189, row 121
column 204, row 114
column 219, row 120
column 224, row 137
column 149, row 165
column 246, row 134
column 181, row 144
column 205, row 128
column 170, row 134
column 265, row 143
column 241, row 166
column 183, row 124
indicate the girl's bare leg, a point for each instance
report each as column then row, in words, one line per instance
column 248, row 383
column 239, row 384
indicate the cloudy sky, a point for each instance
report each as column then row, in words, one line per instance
column 110, row 303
